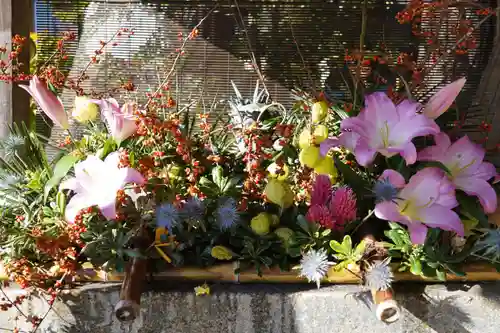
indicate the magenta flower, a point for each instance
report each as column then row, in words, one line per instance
column 96, row 183
column 384, row 128
column 464, row 160
column 331, row 208
column 121, row 122
column 426, row 201
column 50, row 104
column 442, row 100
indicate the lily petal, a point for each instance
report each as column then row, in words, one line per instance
column 75, row 205
column 480, row 188
column 464, row 156
column 437, row 216
column 438, row 151
column 108, row 209
column 389, row 211
column 50, row 104
column 364, row 153
column 442, row 100
column 418, row 232
column 407, row 151
column 129, row 175
column 423, row 187
column 325, row 146
column 394, row 177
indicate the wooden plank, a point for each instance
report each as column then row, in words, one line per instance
column 16, row 17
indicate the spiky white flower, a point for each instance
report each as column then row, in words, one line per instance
column 314, row 265
column 379, row 275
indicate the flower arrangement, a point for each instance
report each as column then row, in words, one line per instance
column 321, row 186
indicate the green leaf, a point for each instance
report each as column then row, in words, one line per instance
column 337, row 247
column 217, row 178
column 352, row 179
column 303, row 224
column 440, row 274
column 416, row 267
column 52, row 88
column 60, row 171
column 347, row 243
column 471, row 208
column 61, row 202
column 455, row 270
column 360, row 250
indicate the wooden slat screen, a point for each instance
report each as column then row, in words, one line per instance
column 323, row 29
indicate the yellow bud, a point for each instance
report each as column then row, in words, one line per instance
column 261, row 224
column 278, row 172
column 275, row 220
column 305, row 139
column 309, row 156
column 84, row 110
column 326, row 166
column 319, row 111
column 221, row 253
column 320, row 134
column 279, row 193
column 202, row 290
column 285, row 234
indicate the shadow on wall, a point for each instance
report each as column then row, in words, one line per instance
column 273, row 309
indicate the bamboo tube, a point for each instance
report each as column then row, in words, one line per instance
column 387, row 309
column 128, row 308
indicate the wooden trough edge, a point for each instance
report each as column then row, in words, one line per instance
column 225, row 273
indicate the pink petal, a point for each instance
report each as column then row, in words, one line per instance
column 486, row 171
column 407, row 151
column 410, row 128
column 464, row 156
column 424, row 187
column 407, row 109
column 418, row 232
column 129, row 175
column 380, row 110
column 437, row 216
column 438, row 151
column 447, row 197
column 364, row 153
column 112, row 160
column 71, row 184
column 108, row 209
column 50, row 104
column 394, row 177
column 480, row 188
column 328, row 144
column 75, row 205
column 389, row 211
column 356, row 125
column 443, row 99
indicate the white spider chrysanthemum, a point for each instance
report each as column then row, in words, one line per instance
column 314, row 265
column 379, row 275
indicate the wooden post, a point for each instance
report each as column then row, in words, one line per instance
column 16, row 17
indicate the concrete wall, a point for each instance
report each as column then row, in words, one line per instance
column 273, row 308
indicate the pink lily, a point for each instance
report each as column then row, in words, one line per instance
column 427, row 200
column 384, row 128
column 442, row 100
column 96, row 183
column 50, row 104
column 464, row 160
column 121, row 121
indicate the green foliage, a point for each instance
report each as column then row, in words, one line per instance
column 345, row 253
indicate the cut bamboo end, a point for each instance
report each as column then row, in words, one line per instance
column 127, row 310
column 386, row 308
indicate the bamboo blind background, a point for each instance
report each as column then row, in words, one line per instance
column 323, row 30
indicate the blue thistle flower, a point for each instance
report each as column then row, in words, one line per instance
column 227, row 213
column 167, row 216
column 193, row 210
column 385, row 191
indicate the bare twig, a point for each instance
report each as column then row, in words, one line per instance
column 364, row 21
column 309, row 77
column 249, row 44
column 179, row 54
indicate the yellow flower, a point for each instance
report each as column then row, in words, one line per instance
column 202, row 290
column 319, row 135
column 84, row 110
column 279, row 193
column 319, row 111
column 278, row 172
column 310, row 156
column 326, row 166
column 261, row 224
column 221, row 253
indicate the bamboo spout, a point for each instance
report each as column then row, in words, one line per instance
column 128, row 308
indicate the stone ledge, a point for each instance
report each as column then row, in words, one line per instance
column 452, row 308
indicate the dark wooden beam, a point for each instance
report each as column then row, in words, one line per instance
column 16, row 17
